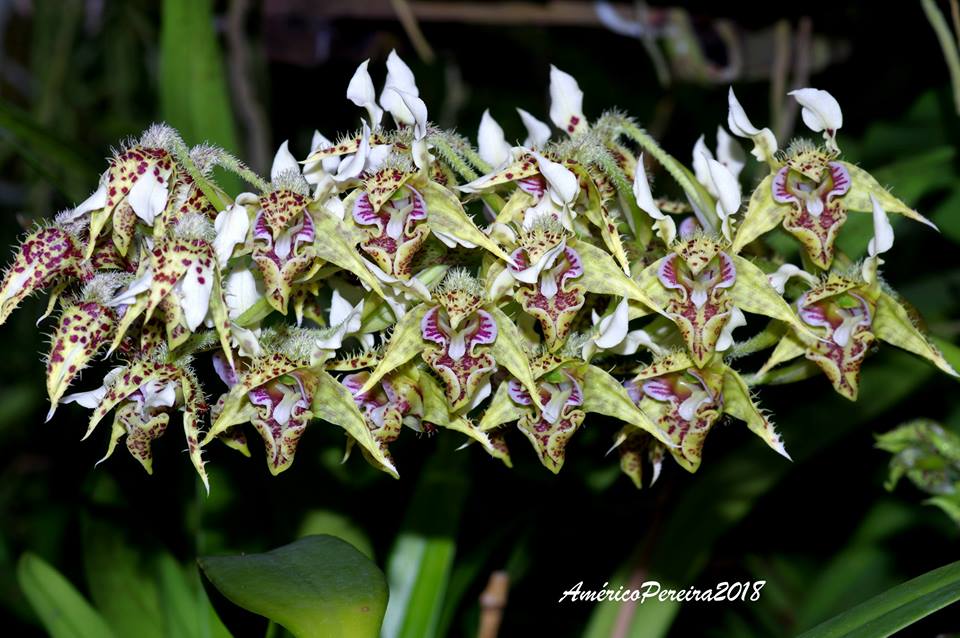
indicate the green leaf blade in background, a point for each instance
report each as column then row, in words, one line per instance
column 194, row 92
column 896, row 608
column 316, row 587
column 62, row 610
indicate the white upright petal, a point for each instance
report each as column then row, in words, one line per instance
column 491, row 141
column 353, row 165
column 406, row 108
column 729, row 152
column 538, row 133
column 561, row 180
column 360, row 91
column 641, row 191
column 726, row 186
column 283, row 161
column 137, row 286
column 701, row 153
column 764, row 141
column 882, row 240
column 566, row 102
column 231, row 225
column 148, row 196
column 399, row 75
column 737, row 119
column 820, row 112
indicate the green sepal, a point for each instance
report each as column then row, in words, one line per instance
column 602, row 276
column 602, row 394
column 331, row 246
column 763, row 215
column 508, row 351
column 405, row 343
column 445, row 214
column 738, row 403
column 892, row 324
column 863, row 185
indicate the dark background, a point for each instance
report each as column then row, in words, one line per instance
column 821, row 530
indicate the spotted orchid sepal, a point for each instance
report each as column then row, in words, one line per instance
column 84, row 327
column 810, row 194
column 141, row 392
column 48, row 257
column 698, row 285
column 847, row 315
column 180, row 277
column 686, row 401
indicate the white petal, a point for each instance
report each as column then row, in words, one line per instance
column 786, row 272
column 406, row 108
column 246, row 341
column 538, row 133
column 158, row 394
column 137, row 286
column 821, row 111
column 566, row 102
column 399, row 75
column 96, row 201
column 700, row 156
column 726, row 186
column 283, row 162
column 148, row 197
column 458, row 346
column 89, row 399
column 231, row 225
column 493, row 146
column 531, row 274
column 353, row 165
column 548, row 285
column 736, row 320
column 882, row 230
column 241, row 291
column 740, row 125
column 360, row 91
column 613, row 329
column 195, row 288
column 729, row 152
column 764, row 141
column 340, row 308
column 284, row 409
column 560, row 179
column 641, row 191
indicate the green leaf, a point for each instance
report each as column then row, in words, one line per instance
column 120, row 584
column 422, row 559
column 187, row 611
column 317, row 586
column 64, row 612
column 194, row 96
column 896, row 608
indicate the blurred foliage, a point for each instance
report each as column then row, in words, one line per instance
column 822, row 531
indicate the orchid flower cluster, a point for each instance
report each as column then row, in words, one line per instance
column 401, row 278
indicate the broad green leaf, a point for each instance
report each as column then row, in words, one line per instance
column 64, row 612
column 900, row 607
column 315, row 587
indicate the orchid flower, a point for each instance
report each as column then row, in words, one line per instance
column 686, row 400
column 143, row 393
column 565, row 391
column 764, row 142
column 386, row 409
column 699, row 284
column 847, row 315
column 810, row 190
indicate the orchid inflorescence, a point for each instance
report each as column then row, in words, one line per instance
column 435, row 285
